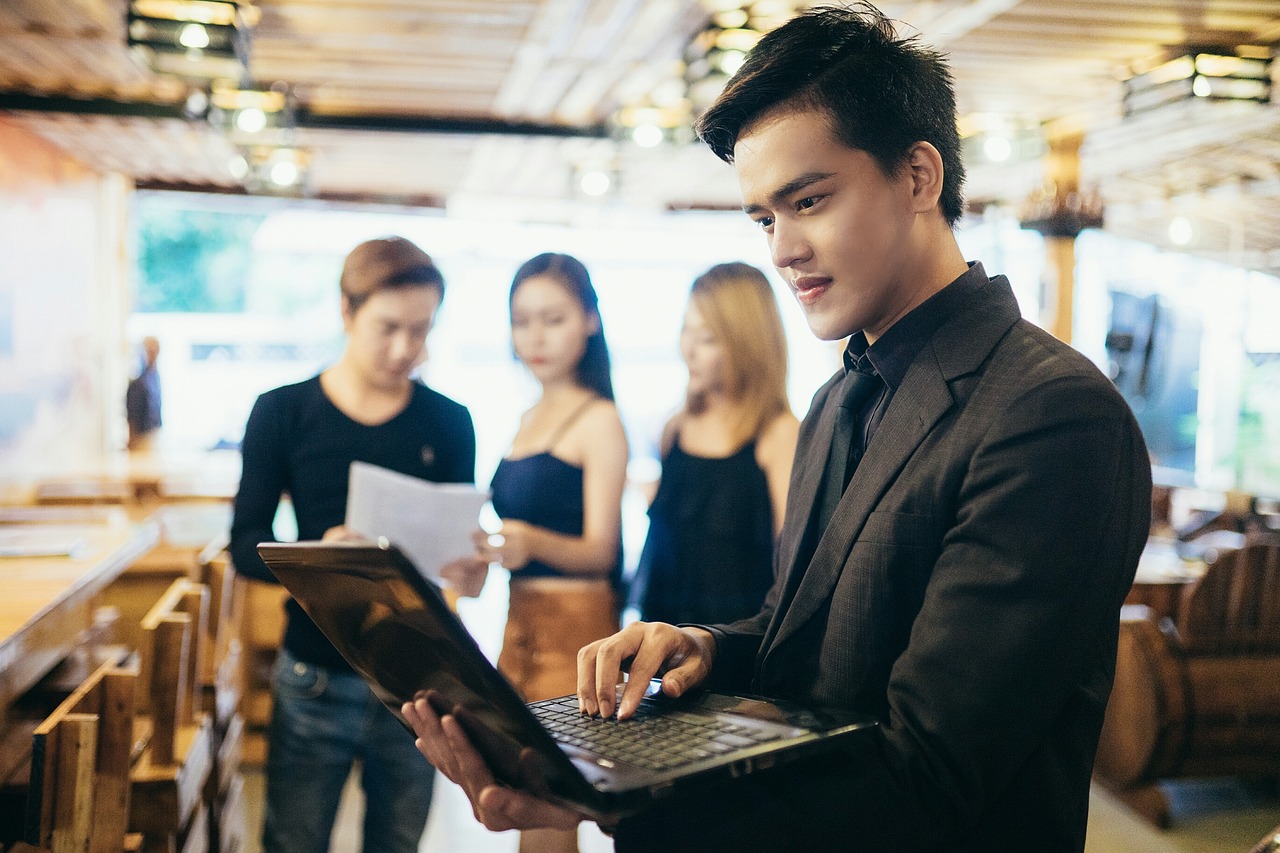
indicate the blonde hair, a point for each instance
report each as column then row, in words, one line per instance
column 737, row 303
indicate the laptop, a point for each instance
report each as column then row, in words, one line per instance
column 396, row 630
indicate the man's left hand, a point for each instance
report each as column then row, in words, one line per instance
column 499, row 808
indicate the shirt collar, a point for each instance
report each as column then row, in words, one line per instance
column 893, row 352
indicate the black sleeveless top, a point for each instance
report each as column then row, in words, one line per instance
column 546, row 491
column 708, row 557
column 543, row 490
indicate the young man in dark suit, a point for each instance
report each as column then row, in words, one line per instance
column 965, row 586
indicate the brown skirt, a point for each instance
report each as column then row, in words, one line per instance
column 548, row 620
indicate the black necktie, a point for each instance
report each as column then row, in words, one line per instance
column 846, row 440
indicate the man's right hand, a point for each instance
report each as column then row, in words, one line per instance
column 683, row 656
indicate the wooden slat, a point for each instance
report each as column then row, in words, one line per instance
column 77, row 742
column 168, row 687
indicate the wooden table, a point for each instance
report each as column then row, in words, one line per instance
column 47, row 603
column 1162, row 577
column 146, row 478
column 62, row 515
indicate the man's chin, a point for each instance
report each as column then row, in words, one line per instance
column 828, row 328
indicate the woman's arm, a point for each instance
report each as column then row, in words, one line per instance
column 603, row 446
column 775, row 450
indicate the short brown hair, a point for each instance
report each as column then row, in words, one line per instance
column 385, row 263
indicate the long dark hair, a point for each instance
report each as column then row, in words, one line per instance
column 593, row 369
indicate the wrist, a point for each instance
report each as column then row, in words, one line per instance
column 705, row 641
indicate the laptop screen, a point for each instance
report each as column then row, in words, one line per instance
column 396, row 631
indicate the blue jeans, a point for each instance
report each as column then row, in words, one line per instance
column 322, row 721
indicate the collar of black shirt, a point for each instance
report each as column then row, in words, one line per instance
column 894, row 351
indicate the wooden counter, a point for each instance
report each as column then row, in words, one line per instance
column 147, row 479
column 47, row 602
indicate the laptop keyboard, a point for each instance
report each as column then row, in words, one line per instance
column 656, row 738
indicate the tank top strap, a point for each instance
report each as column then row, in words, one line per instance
column 568, row 422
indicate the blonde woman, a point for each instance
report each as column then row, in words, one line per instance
column 726, row 458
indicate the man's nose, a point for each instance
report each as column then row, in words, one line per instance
column 787, row 245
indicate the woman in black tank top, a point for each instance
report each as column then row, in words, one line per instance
column 726, row 462
column 559, row 493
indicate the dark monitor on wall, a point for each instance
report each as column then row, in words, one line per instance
column 1153, row 348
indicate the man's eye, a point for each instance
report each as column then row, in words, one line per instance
column 765, row 221
column 806, row 203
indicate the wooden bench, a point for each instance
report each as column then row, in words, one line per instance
column 79, row 795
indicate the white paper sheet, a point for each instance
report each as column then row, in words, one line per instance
column 430, row 522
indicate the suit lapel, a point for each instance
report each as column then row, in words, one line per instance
column 812, row 447
column 960, row 347
column 917, row 405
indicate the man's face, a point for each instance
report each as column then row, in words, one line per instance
column 838, row 228
column 387, row 335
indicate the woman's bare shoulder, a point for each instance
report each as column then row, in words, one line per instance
column 778, row 438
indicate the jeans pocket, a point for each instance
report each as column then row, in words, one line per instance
column 298, row 680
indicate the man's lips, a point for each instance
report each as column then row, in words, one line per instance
column 810, row 287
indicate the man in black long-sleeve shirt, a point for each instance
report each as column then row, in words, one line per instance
column 301, row 440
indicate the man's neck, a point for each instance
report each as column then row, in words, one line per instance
column 936, row 263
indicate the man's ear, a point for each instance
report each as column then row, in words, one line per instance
column 924, row 164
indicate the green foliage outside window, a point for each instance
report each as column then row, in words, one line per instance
column 193, row 260
column 1257, row 457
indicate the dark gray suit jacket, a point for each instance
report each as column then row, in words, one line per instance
column 966, row 592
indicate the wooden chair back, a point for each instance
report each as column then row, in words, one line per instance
column 171, row 650
column 78, row 799
column 223, row 668
column 226, row 603
column 1235, row 608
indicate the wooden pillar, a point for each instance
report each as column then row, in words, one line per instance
column 1059, row 273
column 1062, row 172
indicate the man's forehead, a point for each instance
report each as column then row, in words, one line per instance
column 784, row 116
column 794, row 139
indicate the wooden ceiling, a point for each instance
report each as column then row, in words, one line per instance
column 500, row 104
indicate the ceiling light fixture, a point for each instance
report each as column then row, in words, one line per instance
column 1181, row 233
column 595, row 183
column 647, row 135
column 712, row 56
column 192, row 38
column 272, row 170
column 1055, row 213
column 1220, row 74
column 997, row 149
column 248, row 111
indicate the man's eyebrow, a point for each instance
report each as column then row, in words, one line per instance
column 794, row 185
